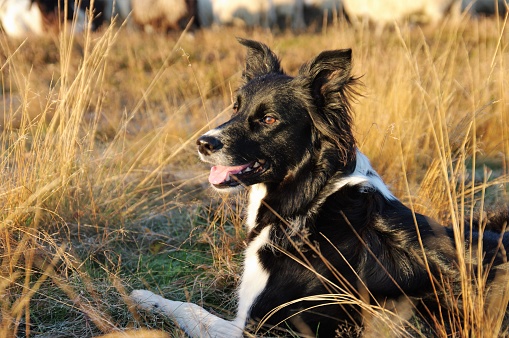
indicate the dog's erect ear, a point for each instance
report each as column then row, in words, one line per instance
column 260, row 60
column 328, row 73
column 330, row 83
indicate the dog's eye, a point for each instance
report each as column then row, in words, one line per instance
column 235, row 107
column 267, row 119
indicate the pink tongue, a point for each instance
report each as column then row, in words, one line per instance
column 219, row 173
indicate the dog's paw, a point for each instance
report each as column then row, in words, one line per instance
column 193, row 319
column 146, row 300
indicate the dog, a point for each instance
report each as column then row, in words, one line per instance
column 325, row 234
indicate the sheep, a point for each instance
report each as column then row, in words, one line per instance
column 162, row 15
column 265, row 13
column 383, row 12
column 68, row 10
column 21, row 18
column 240, row 12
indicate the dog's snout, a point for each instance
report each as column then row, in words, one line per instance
column 208, row 144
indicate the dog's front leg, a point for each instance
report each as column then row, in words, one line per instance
column 195, row 320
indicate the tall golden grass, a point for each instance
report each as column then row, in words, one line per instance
column 98, row 138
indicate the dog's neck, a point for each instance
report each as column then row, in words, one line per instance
column 302, row 187
column 270, row 205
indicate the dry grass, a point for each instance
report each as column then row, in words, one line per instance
column 102, row 192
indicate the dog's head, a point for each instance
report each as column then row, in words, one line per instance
column 283, row 126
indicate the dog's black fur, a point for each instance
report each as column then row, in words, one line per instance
column 330, row 233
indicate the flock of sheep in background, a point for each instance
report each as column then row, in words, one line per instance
column 21, row 18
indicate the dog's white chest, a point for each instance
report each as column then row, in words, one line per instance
column 256, row 193
column 254, row 277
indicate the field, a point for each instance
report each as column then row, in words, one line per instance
column 102, row 191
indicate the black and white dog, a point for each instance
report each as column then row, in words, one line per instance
column 325, row 233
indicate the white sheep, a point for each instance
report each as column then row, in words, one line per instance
column 21, row 18
column 251, row 13
column 241, row 12
column 383, row 12
column 159, row 14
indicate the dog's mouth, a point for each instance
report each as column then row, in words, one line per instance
column 227, row 177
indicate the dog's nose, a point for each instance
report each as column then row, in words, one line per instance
column 208, row 144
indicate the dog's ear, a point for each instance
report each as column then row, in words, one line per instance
column 328, row 79
column 260, row 60
column 328, row 73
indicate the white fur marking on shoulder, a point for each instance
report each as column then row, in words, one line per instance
column 256, row 193
column 365, row 175
column 254, row 278
column 195, row 320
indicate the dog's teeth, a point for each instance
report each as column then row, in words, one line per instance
column 227, row 178
column 256, row 165
column 247, row 170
